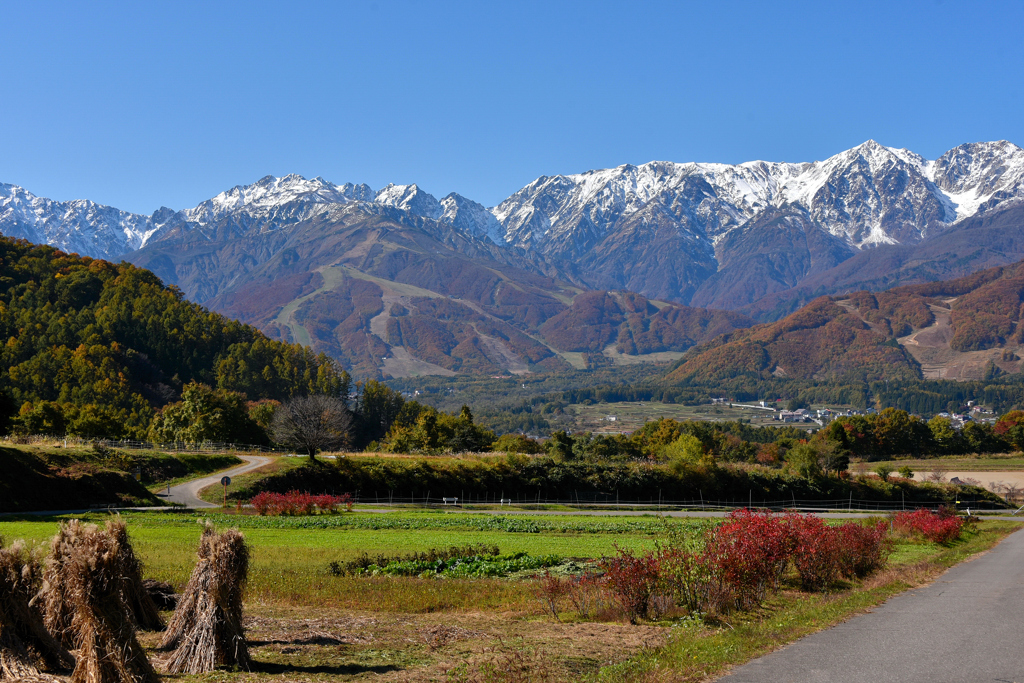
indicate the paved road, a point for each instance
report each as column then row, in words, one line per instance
column 187, row 494
column 964, row 628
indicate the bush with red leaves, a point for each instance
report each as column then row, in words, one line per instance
column 817, row 553
column 864, row 548
column 550, row 589
column 939, row 527
column 737, row 564
column 632, row 580
column 752, row 550
column 298, row 503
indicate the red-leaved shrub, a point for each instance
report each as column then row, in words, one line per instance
column 696, row 581
column 298, row 503
column 864, row 548
column 632, row 580
column 584, row 594
column 738, row 563
column 939, row 527
column 263, row 503
column 752, row 550
column 550, row 589
column 817, row 552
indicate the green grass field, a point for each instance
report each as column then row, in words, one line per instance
column 988, row 462
column 291, row 555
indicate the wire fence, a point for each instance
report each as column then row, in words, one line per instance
column 205, row 447
column 592, row 501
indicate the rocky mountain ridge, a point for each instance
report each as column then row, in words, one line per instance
column 308, row 260
column 868, row 195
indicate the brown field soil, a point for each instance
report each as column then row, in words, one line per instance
column 631, row 415
column 309, row 644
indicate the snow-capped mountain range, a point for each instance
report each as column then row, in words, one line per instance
column 866, row 195
column 606, row 224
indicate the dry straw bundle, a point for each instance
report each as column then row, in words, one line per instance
column 26, row 647
column 84, row 596
column 206, row 630
column 141, row 607
column 58, row 607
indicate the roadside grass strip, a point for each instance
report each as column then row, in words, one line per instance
column 697, row 651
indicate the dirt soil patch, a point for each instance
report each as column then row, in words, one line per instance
column 303, row 644
column 930, row 347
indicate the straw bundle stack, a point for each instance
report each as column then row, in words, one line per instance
column 206, row 630
column 57, row 605
column 87, row 578
column 58, row 609
column 26, row 647
column 141, row 607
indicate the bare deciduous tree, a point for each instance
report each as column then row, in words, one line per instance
column 313, row 423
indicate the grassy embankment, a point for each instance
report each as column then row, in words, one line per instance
column 305, row 622
column 485, row 477
column 56, row 478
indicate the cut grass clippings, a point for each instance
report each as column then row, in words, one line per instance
column 698, row 652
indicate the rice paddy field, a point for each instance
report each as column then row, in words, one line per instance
column 305, row 623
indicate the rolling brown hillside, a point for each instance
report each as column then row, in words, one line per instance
column 968, row 328
column 394, row 295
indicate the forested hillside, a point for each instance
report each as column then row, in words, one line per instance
column 963, row 329
column 95, row 347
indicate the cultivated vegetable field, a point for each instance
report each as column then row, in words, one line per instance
column 433, row 596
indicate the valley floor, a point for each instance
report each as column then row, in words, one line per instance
column 306, row 623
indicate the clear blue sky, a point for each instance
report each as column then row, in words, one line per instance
column 138, row 105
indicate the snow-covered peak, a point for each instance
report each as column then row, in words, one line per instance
column 973, row 174
column 802, row 186
column 600, row 198
column 80, row 226
column 870, row 194
column 470, row 217
column 268, row 193
column 410, row 198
